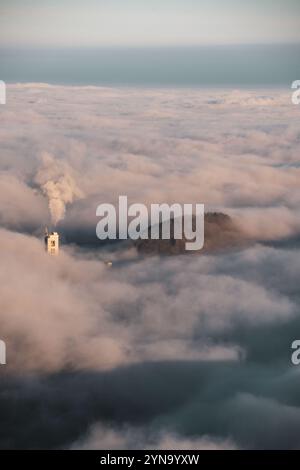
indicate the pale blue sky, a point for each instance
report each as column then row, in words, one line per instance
column 60, row 23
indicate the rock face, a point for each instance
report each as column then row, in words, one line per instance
column 220, row 233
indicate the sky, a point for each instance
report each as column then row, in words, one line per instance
column 89, row 23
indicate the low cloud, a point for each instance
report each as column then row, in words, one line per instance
column 101, row 437
column 74, row 311
column 176, row 352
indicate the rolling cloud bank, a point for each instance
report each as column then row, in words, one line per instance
column 169, row 352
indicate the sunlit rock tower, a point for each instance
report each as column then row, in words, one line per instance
column 51, row 242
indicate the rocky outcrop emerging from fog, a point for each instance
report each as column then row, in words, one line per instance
column 220, row 233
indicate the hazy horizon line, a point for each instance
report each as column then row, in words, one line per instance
column 148, row 46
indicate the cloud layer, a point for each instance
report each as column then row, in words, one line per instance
column 185, row 352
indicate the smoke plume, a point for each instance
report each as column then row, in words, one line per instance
column 58, row 185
